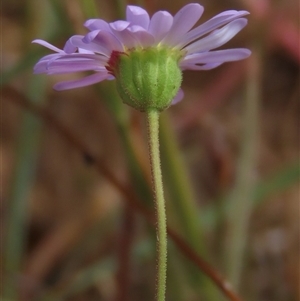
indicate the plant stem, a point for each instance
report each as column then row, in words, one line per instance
column 185, row 207
column 160, row 211
column 182, row 196
column 241, row 203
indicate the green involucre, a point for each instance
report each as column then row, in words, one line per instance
column 148, row 78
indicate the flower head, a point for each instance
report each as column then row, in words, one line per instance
column 108, row 46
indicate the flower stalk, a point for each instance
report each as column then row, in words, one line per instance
column 160, row 210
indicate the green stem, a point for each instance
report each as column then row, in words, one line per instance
column 241, row 203
column 185, row 207
column 182, row 196
column 160, row 211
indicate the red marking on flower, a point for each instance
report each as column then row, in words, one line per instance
column 113, row 62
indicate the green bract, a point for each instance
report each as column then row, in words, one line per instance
column 148, row 78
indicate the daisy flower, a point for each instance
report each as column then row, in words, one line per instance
column 163, row 37
column 146, row 57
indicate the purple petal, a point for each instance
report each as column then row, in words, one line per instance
column 73, row 43
column 203, row 67
column 228, row 55
column 143, row 37
column 96, row 24
column 119, row 25
column 137, row 16
column 80, row 50
column 217, row 38
column 179, row 96
column 75, row 63
column 102, row 42
column 86, row 81
column 160, row 24
column 120, row 30
column 51, row 56
column 42, row 64
column 47, row 45
column 212, row 24
column 183, row 21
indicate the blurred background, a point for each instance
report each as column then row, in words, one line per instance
column 75, row 178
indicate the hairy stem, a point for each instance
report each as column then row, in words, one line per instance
column 161, row 224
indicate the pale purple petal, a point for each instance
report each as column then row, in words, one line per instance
column 58, row 68
column 119, row 25
column 211, row 25
column 227, row 55
column 143, row 37
column 202, row 67
column 179, row 96
column 75, row 63
column 51, row 56
column 160, row 24
column 73, row 43
column 120, row 30
column 102, row 42
column 83, row 56
column 96, row 24
column 86, row 81
column 41, row 65
column 47, row 45
column 137, row 16
column 217, row 38
column 80, row 50
column 57, row 63
column 183, row 21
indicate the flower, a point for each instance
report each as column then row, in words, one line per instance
column 100, row 48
